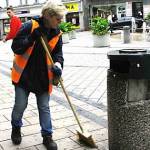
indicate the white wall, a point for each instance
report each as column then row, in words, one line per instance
column 119, row 12
column 17, row 2
column 128, row 8
column 146, row 10
column 2, row 3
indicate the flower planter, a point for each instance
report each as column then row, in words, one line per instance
column 65, row 38
column 72, row 35
column 101, row 41
column 148, row 37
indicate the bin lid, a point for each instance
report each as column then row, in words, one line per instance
column 131, row 63
column 128, row 53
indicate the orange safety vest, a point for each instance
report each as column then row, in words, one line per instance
column 20, row 61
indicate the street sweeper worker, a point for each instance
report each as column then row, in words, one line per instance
column 32, row 70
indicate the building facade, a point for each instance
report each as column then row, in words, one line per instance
column 146, row 7
column 118, row 8
column 79, row 12
column 75, row 12
column 25, row 13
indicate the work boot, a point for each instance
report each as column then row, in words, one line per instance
column 49, row 143
column 16, row 135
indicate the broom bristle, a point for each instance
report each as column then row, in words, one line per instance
column 88, row 140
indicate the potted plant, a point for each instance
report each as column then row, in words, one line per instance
column 100, row 30
column 147, row 19
column 72, row 32
column 69, row 26
column 63, row 26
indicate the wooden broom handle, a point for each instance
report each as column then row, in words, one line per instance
column 61, row 83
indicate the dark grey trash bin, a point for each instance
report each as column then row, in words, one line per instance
column 128, row 87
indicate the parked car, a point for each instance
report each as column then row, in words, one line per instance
column 127, row 21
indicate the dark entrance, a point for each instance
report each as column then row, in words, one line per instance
column 73, row 18
column 137, row 9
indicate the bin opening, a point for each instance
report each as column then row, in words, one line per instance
column 120, row 66
column 132, row 50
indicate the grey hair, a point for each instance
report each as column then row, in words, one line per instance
column 54, row 7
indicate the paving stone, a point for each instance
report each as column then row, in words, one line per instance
column 29, row 148
column 99, row 112
column 100, row 135
column 40, row 147
column 1, row 148
column 53, row 103
column 29, row 114
column 61, row 134
column 87, row 126
column 61, row 114
column 63, row 144
column 2, row 119
column 86, row 148
column 101, row 146
column 57, row 108
column 32, row 129
column 5, row 135
column 64, row 122
column 88, row 107
column 27, row 141
column 67, row 144
column 32, row 120
column 5, row 125
column 6, row 105
column 77, row 102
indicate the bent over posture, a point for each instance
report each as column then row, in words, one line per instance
column 33, row 72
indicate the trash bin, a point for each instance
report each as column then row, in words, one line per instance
column 126, row 34
column 128, row 98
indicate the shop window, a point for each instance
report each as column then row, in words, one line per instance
column 73, row 18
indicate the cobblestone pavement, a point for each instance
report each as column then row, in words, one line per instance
column 84, row 75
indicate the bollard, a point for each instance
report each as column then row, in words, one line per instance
column 128, row 93
column 126, row 34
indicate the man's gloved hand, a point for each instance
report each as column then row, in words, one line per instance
column 36, row 33
column 56, row 69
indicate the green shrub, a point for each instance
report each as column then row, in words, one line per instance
column 66, row 27
column 99, row 26
column 148, row 17
column 63, row 26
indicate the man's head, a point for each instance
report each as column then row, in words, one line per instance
column 10, row 11
column 53, row 12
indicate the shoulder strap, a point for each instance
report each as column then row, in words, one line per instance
column 46, row 42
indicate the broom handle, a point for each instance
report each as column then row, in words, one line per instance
column 62, row 85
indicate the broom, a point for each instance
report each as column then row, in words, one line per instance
column 82, row 136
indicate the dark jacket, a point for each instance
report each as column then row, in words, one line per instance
column 35, row 75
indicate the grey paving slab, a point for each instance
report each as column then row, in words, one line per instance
column 27, row 141
column 87, row 126
column 62, row 134
column 69, row 144
column 29, row 148
column 31, row 129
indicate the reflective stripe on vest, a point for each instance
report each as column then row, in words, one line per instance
column 20, row 61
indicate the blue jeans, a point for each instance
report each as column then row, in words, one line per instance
column 21, row 101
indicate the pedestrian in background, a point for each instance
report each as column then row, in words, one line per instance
column 15, row 24
column 32, row 70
